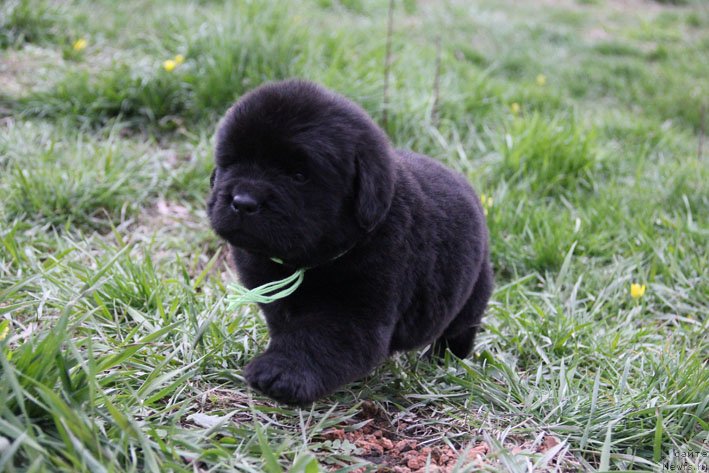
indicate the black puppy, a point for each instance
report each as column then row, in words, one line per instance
column 395, row 243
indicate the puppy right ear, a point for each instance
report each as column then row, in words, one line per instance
column 212, row 177
column 374, row 185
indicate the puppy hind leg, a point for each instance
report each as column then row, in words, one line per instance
column 460, row 334
column 460, row 344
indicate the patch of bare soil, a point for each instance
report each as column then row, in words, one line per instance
column 23, row 70
column 392, row 449
column 630, row 6
column 405, row 455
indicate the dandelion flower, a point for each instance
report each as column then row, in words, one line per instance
column 169, row 65
column 541, row 80
column 637, row 290
column 179, row 59
column 80, row 44
column 515, row 108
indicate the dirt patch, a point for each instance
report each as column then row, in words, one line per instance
column 25, row 69
column 623, row 6
column 390, row 448
column 405, row 455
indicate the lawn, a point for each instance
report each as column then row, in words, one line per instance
column 582, row 123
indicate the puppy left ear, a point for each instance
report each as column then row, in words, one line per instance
column 212, row 177
column 374, row 185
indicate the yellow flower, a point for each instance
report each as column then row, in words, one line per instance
column 515, row 108
column 80, row 44
column 637, row 290
column 169, row 65
column 541, row 80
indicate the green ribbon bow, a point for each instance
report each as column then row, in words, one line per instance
column 266, row 293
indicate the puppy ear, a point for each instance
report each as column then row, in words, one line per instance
column 374, row 184
column 212, row 177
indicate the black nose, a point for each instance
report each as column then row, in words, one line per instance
column 244, row 203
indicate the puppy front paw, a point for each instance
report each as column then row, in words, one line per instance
column 286, row 378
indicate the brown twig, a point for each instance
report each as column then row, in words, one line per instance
column 700, row 140
column 436, row 83
column 387, row 66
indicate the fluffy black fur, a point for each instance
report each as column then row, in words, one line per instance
column 396, row 243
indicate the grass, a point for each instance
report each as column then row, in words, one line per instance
column 24, row 21
column 549, row 155
column 117, row 351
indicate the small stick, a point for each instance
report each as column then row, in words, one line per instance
column 436, row 82
column 387, row 65
column 700, row 141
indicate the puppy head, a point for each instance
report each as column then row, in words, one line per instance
column 301, row 173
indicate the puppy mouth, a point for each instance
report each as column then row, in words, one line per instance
column 259, row 245
column 252, row 242
column 242, row 239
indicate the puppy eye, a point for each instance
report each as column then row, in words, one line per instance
column 299, row 177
